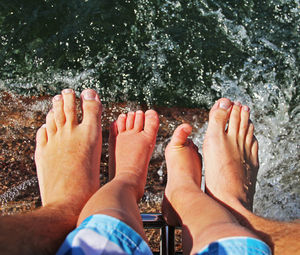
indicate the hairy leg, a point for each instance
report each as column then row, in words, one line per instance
column 231, row 165
column 202, row 218
column 134, row 138
column 68, row 159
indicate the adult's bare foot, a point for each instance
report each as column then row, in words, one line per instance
column 231, row 165
column 230, row 155
column 68, row 153
column 184, row 174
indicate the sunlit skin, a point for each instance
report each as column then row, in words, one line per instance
column 132, row 140
column 203, row 219
column 231, row 165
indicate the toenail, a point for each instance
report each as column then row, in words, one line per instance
column 67, row 91
column 237, row 103
column 57, row 98
column 89, row 95
column 43, row 126
column 246, row 108
column 186, row 130
column 224, row 104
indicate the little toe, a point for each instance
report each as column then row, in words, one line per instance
column 180, row 135
column 151, row 122
column 234, row 120
column 41, row 136
column 69, row 106
column 244, row 123
column 50, row 123
column 139, row 121
column 58, row 108
column 91, row 108
column 130, row 120
column 219, row 115
column 121, row 123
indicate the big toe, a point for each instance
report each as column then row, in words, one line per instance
column 219, row 115
column 181, row 134
column 151, row 123
column 91, row 108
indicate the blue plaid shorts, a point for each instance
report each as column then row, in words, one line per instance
column 102, row 234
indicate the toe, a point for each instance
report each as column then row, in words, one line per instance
column 91, row 108
column 219, row 115
column 234, row 120
column 130, row 120
column 113, row 132
column 180, row 135
column 69, row 106
column 249, row 139
column 121, row 123
column 139, row 121
column 254, row 152
column 58, row 108
column 50, row 123
column 244, row 123
column 41, row 136
column 151, row 122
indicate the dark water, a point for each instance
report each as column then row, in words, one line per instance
column 186, row 53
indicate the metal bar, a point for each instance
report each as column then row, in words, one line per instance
column 167, row 238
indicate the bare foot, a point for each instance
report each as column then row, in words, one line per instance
column 230, row 156
column 132, row 140
column 68, row 153
column 184, row 174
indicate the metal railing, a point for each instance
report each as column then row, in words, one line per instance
column 167, row 233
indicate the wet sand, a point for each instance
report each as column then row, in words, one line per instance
column 20, row 117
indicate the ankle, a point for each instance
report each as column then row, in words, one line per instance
column 132, row 183
column 183, row 197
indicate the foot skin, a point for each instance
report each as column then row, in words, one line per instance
column 68, row 153
column 230, row 156
column 184, row 174
column 132, row 140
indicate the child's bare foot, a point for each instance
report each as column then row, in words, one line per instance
column 184, row 174
column 68, row 153
column 132, row 140
column 230, row 156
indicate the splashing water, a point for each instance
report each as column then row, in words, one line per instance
column 186, row 53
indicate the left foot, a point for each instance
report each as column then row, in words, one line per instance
column 68, row 153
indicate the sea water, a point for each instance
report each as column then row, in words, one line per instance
column 173, row 53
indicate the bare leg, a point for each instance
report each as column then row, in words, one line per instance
column 134, row 145
column 67, row 159
column 202, row 218
column 231, row 163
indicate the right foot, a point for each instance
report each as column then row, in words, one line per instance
column 132, row 140
column 230, row 156
column 68, row 153
column 184, row 174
